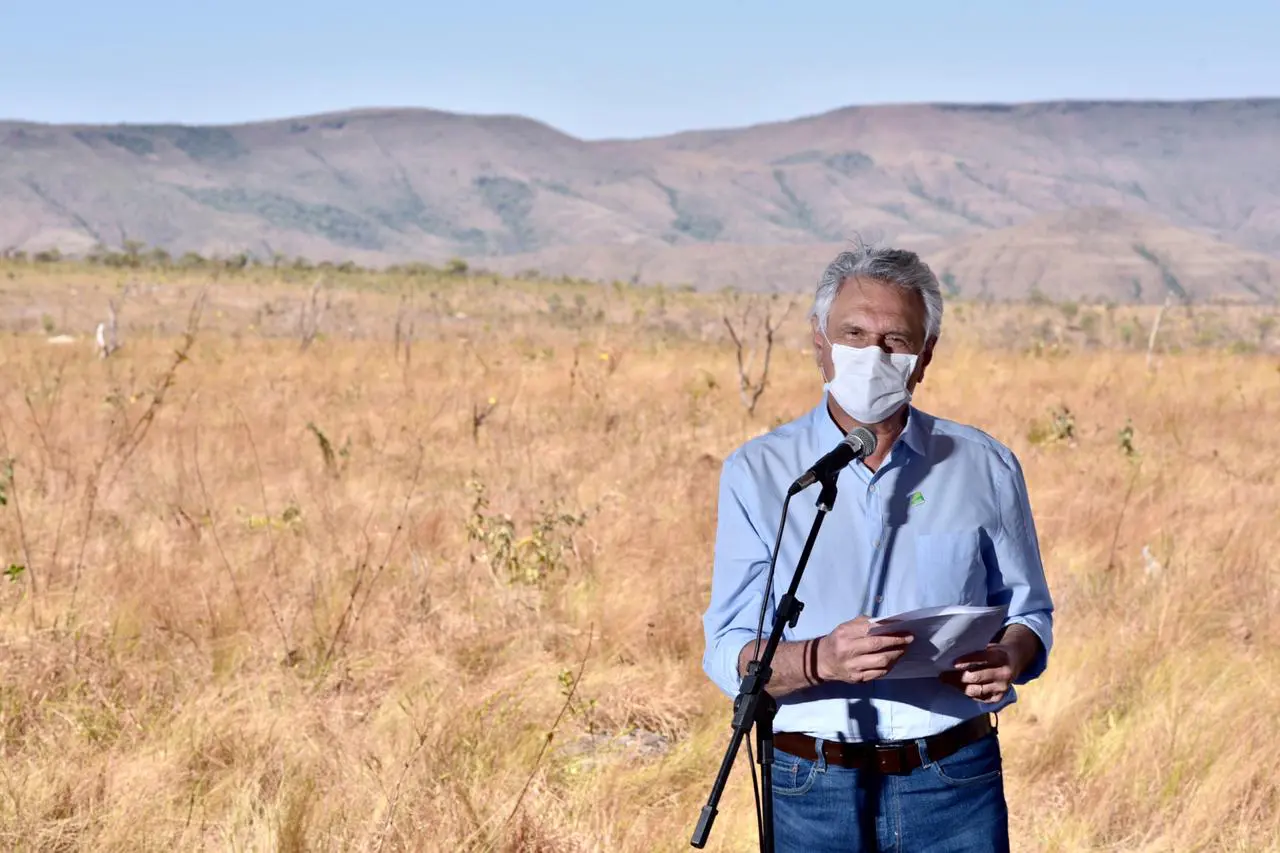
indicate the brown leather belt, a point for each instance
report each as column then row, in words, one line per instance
column 901, row 756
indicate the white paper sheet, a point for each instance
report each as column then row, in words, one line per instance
column 941, row 634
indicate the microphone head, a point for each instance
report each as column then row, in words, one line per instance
column 862, row 440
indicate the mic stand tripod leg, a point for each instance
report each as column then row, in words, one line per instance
column 747, row 707
column 765, row 712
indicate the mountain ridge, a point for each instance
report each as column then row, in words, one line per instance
column 958, row 106
column 381, row 185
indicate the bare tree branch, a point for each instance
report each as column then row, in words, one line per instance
column 751, row 389
column 309, row 317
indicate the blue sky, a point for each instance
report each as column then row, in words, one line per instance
column 605, row 69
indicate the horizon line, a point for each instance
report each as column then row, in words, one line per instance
column 976, row 105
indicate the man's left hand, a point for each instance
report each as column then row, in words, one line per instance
column 985, row 675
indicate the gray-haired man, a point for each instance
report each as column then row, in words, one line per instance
column 938, row 515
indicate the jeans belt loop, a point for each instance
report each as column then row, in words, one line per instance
column 923, row 745
column 821, row 760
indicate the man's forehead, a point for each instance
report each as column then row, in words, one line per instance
column 864, row 298
column 861, row 288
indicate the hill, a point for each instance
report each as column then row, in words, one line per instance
column 758, row 206
column 1103, row 254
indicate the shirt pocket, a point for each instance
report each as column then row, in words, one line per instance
column 949, row 568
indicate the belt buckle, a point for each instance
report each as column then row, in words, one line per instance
column 892, row 757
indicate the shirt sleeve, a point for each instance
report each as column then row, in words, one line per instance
column 1015, row 572
column 741, row 566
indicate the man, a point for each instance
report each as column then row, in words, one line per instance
column 938, row 515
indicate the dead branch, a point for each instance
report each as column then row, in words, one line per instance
column 479, row 415
column 404, row 330
column 365, row 580
column 310, row 315
column 271, row 539
column 751, row 388
column 133, row 435
column 1155, row 328
column 9, row 491
column 1115, row 537
column 568, row 700
column 213, row 529
column 108, row 333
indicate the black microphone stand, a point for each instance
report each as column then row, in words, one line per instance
column 754, row 707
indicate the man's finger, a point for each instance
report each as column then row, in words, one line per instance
column 859, row 626
column 983, row 676
column 865, row 664
column 971, row 659
column 886, row 660
column 985, row 692
column 885, row 642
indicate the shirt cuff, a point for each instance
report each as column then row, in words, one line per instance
column 720, row 663
column 1041, row 626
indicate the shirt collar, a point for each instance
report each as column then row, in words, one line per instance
column 915, row 436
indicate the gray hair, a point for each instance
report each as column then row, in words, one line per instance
column 897, row 267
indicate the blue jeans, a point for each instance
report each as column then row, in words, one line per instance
column 955, row 805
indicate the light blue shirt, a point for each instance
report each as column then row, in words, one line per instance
column 945, row 520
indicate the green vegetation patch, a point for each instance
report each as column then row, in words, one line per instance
column 340, row 226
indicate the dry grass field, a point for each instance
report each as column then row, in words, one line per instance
column 364, row 596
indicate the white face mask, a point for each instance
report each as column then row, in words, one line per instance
column 870, row 384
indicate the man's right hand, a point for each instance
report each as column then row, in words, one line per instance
column 849, row 654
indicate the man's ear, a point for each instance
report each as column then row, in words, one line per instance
column 818, row 341
column 926, row 357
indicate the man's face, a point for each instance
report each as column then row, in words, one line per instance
column 871, row 313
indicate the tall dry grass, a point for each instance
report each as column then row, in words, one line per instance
column 325, row 600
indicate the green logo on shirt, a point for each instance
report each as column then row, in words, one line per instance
column 915, row 499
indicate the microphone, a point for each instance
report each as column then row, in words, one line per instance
column 858, row 443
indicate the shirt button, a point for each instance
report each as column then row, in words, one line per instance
column 877, row 543
column 879, row 598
